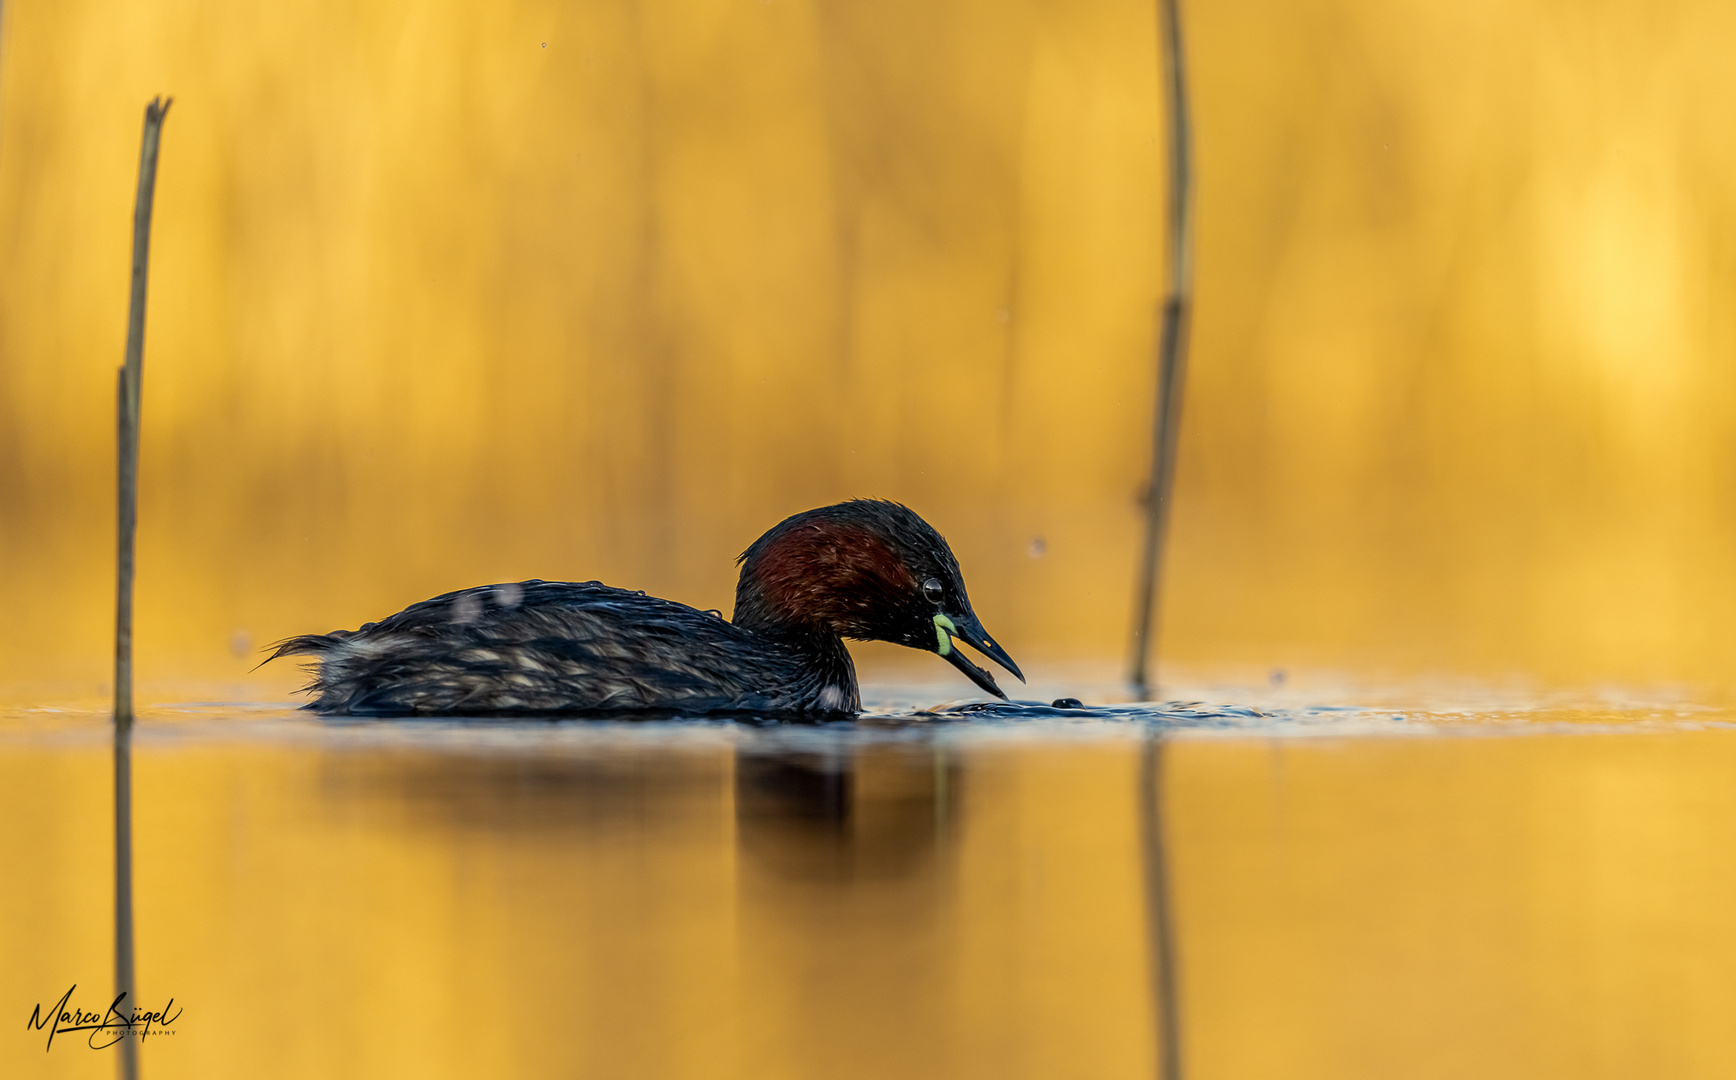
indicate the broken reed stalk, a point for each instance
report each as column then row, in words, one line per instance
column 1172, row 349
column 131, row 374
column 128, row 409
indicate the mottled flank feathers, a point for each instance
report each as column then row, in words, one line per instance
column 541, row 647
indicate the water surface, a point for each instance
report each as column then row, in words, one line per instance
column 1526, row 891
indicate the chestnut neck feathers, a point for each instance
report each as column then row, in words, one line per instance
column 854, row 570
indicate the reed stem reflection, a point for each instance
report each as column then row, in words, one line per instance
column 1159, row 914
column 124, row 975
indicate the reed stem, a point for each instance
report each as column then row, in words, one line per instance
column 131, row 386
column 131, row 381
column 1172, row 351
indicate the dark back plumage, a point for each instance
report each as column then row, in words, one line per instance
column 539, row 647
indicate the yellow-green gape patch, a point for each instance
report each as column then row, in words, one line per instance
column 942, row 625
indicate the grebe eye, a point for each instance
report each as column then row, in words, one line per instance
column 931, row 589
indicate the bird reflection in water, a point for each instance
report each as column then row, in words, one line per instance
column 849, row 902
column 866, row 811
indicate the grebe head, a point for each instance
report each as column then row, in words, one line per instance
column 867, row 570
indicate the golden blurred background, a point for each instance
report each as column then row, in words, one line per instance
column 448, row 293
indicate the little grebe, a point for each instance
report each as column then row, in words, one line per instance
column 865, row 569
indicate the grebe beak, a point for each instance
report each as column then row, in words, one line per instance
column 970, row 631
column 973, row 634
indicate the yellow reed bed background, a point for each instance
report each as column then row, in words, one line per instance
column 447, row 293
